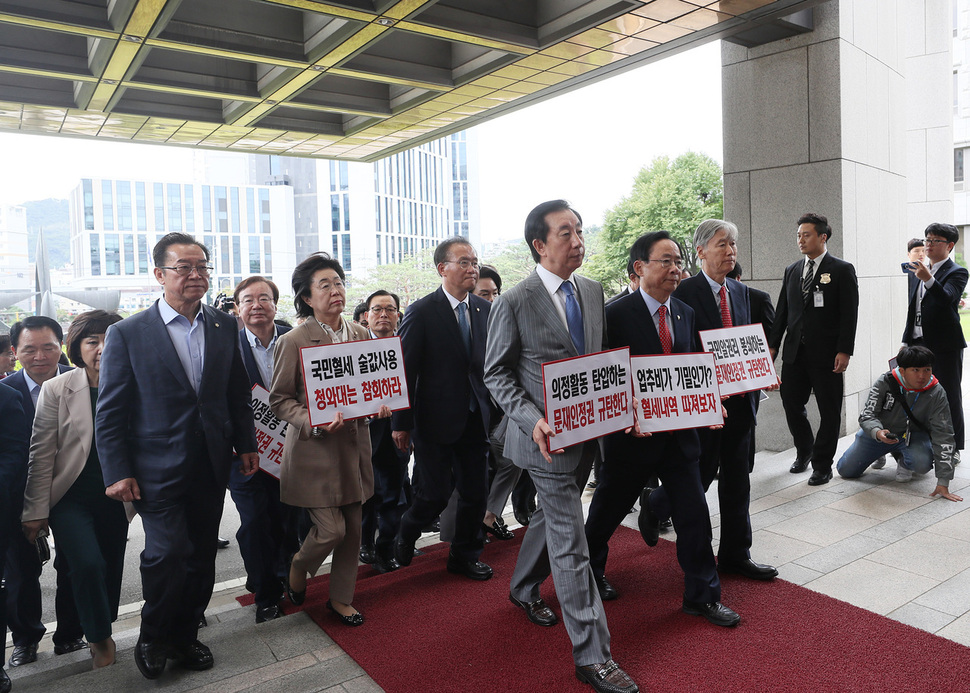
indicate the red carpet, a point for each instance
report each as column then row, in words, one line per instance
column 428, row 630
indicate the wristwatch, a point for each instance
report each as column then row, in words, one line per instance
column 316, row 432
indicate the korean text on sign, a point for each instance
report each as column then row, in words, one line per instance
column 355, row 378
column 741, row 357
column 270, row 433
column 676, row 391
column 587, row 397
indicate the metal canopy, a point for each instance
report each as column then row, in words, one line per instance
column 352, row 79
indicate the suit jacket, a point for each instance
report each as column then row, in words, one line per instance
column 441, row 377
column 525, row 331
column 630, row 324
column 325, row 472
column 939, row 309
column 150, row 422
column 825, row 331
column 696, row 292
column 17, row 382
column 60, row 444
column 761, row 309
column 14, row 437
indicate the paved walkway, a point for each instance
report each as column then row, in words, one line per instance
column 881, row 545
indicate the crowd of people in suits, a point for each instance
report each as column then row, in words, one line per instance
column 155, row 419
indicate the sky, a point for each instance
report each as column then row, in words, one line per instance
column 585, row 146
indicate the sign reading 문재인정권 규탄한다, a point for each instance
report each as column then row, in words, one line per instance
column 742, row 360
column 587, row 396
column 270, row 433
column 355, row 378
column 676, row 391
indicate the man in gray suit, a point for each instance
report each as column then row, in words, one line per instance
column 552, row 314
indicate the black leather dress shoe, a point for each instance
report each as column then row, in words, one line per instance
column 4, row 682
column 384, row 561
column 222, row 543
column 648, row 521
column 150, row 658
column 476, row 570
column 799, row 465
column 194, row 656
column 367, row 554
column 522, row 516
column 607, row 677
column 818, row 478
column 715, row 612
column 202, row 622
column 353, row 620
column 749, row 569
column 403, row 551
column 267, row 613
column 23, row 654
column 607, row 591
column 72, row 646
column 433, row 528
column 499, row 529
column 538, row 611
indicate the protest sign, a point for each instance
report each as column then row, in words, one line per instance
column 741, row 357
column 355, row 378
column 676, row 391
column 270, row 433
column 587, row 396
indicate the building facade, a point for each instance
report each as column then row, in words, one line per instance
column 15, row 270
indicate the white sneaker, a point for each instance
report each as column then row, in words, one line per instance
column 880, row 463
column 903, row 475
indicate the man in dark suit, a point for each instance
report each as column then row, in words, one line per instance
column 933, row 319
column 649, row 322
column 443, row 340
column 721, row 302
column 818, row 307
column 14, row 440
column 267, row 534
column 174, row 403
column 382, row 512
column 553, row 314
column 36, row 342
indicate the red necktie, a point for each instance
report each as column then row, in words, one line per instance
column 725, row 309
column 665, row 341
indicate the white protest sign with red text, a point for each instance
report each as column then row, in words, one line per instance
column 676, row 391
column 587, row 396
column 270, row 433
column 742, row 360
column 355, row 378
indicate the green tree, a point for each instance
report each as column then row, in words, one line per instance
column 668, row 195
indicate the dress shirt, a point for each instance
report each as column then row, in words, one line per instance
column 187, row 338
column 454, row 308
column 653, row 305
column 32, row 387
column 553, row 283
column 263, row 355
column 716, row 288
column 920, row 293
column 817, row 261
column 336, row 337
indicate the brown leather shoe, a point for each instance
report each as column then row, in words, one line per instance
column 538, row 611
column 607, row 677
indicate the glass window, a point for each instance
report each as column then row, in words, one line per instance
column 107, row 208
column 378, row 249
column 141, row 212
column 222, row 209
column 267, row 256
column 234, row 219
column 236, row 255
column 142, row 255
column 129, row 254
column 344, row 178
column 265, row 226
column 333, row 175
column 345, row 252
column 958, row 165
column 174, row 207
column 112, row 255
column 206, row 208
column 253, row 255
column 224, row 255
column 159, row 195
column 124, row 205
column 88, row 194
column 335, row 212
column 346, row 212
column 95, row 254
column 251, row 211
column 189, row 209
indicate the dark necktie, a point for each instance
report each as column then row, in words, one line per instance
column 725, row 309
column 466, row 332
column 807, row 280
column 574, row 319
column 665, row 341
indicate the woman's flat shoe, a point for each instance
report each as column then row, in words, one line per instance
column 354, row 620
column 296, row 598
column 499, row 530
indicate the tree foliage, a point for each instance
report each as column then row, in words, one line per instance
column 673, row 195
column 411, row 278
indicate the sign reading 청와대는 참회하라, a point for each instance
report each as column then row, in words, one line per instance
column 587, row 396
column 676, row 391
column 270, row 433
column 742, row 360
column 354, row 378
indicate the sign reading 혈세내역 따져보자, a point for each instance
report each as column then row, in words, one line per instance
column 587, row 396
column 270, row 433
column 742, row 360
column 676, row 391
column 355, row 378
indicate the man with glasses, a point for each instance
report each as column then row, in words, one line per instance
column 443, row 339
column 818, row 307
column 173, row 405
column 933, row 320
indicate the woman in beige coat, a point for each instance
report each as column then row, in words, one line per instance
column 326, row 469
column 65, row 487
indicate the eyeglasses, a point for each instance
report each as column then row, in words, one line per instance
column 262, row 300
column 186, row 270
column 385, row 310
column 931, row 241
column 330, row 287
column 667, row 262
column 465, row 264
